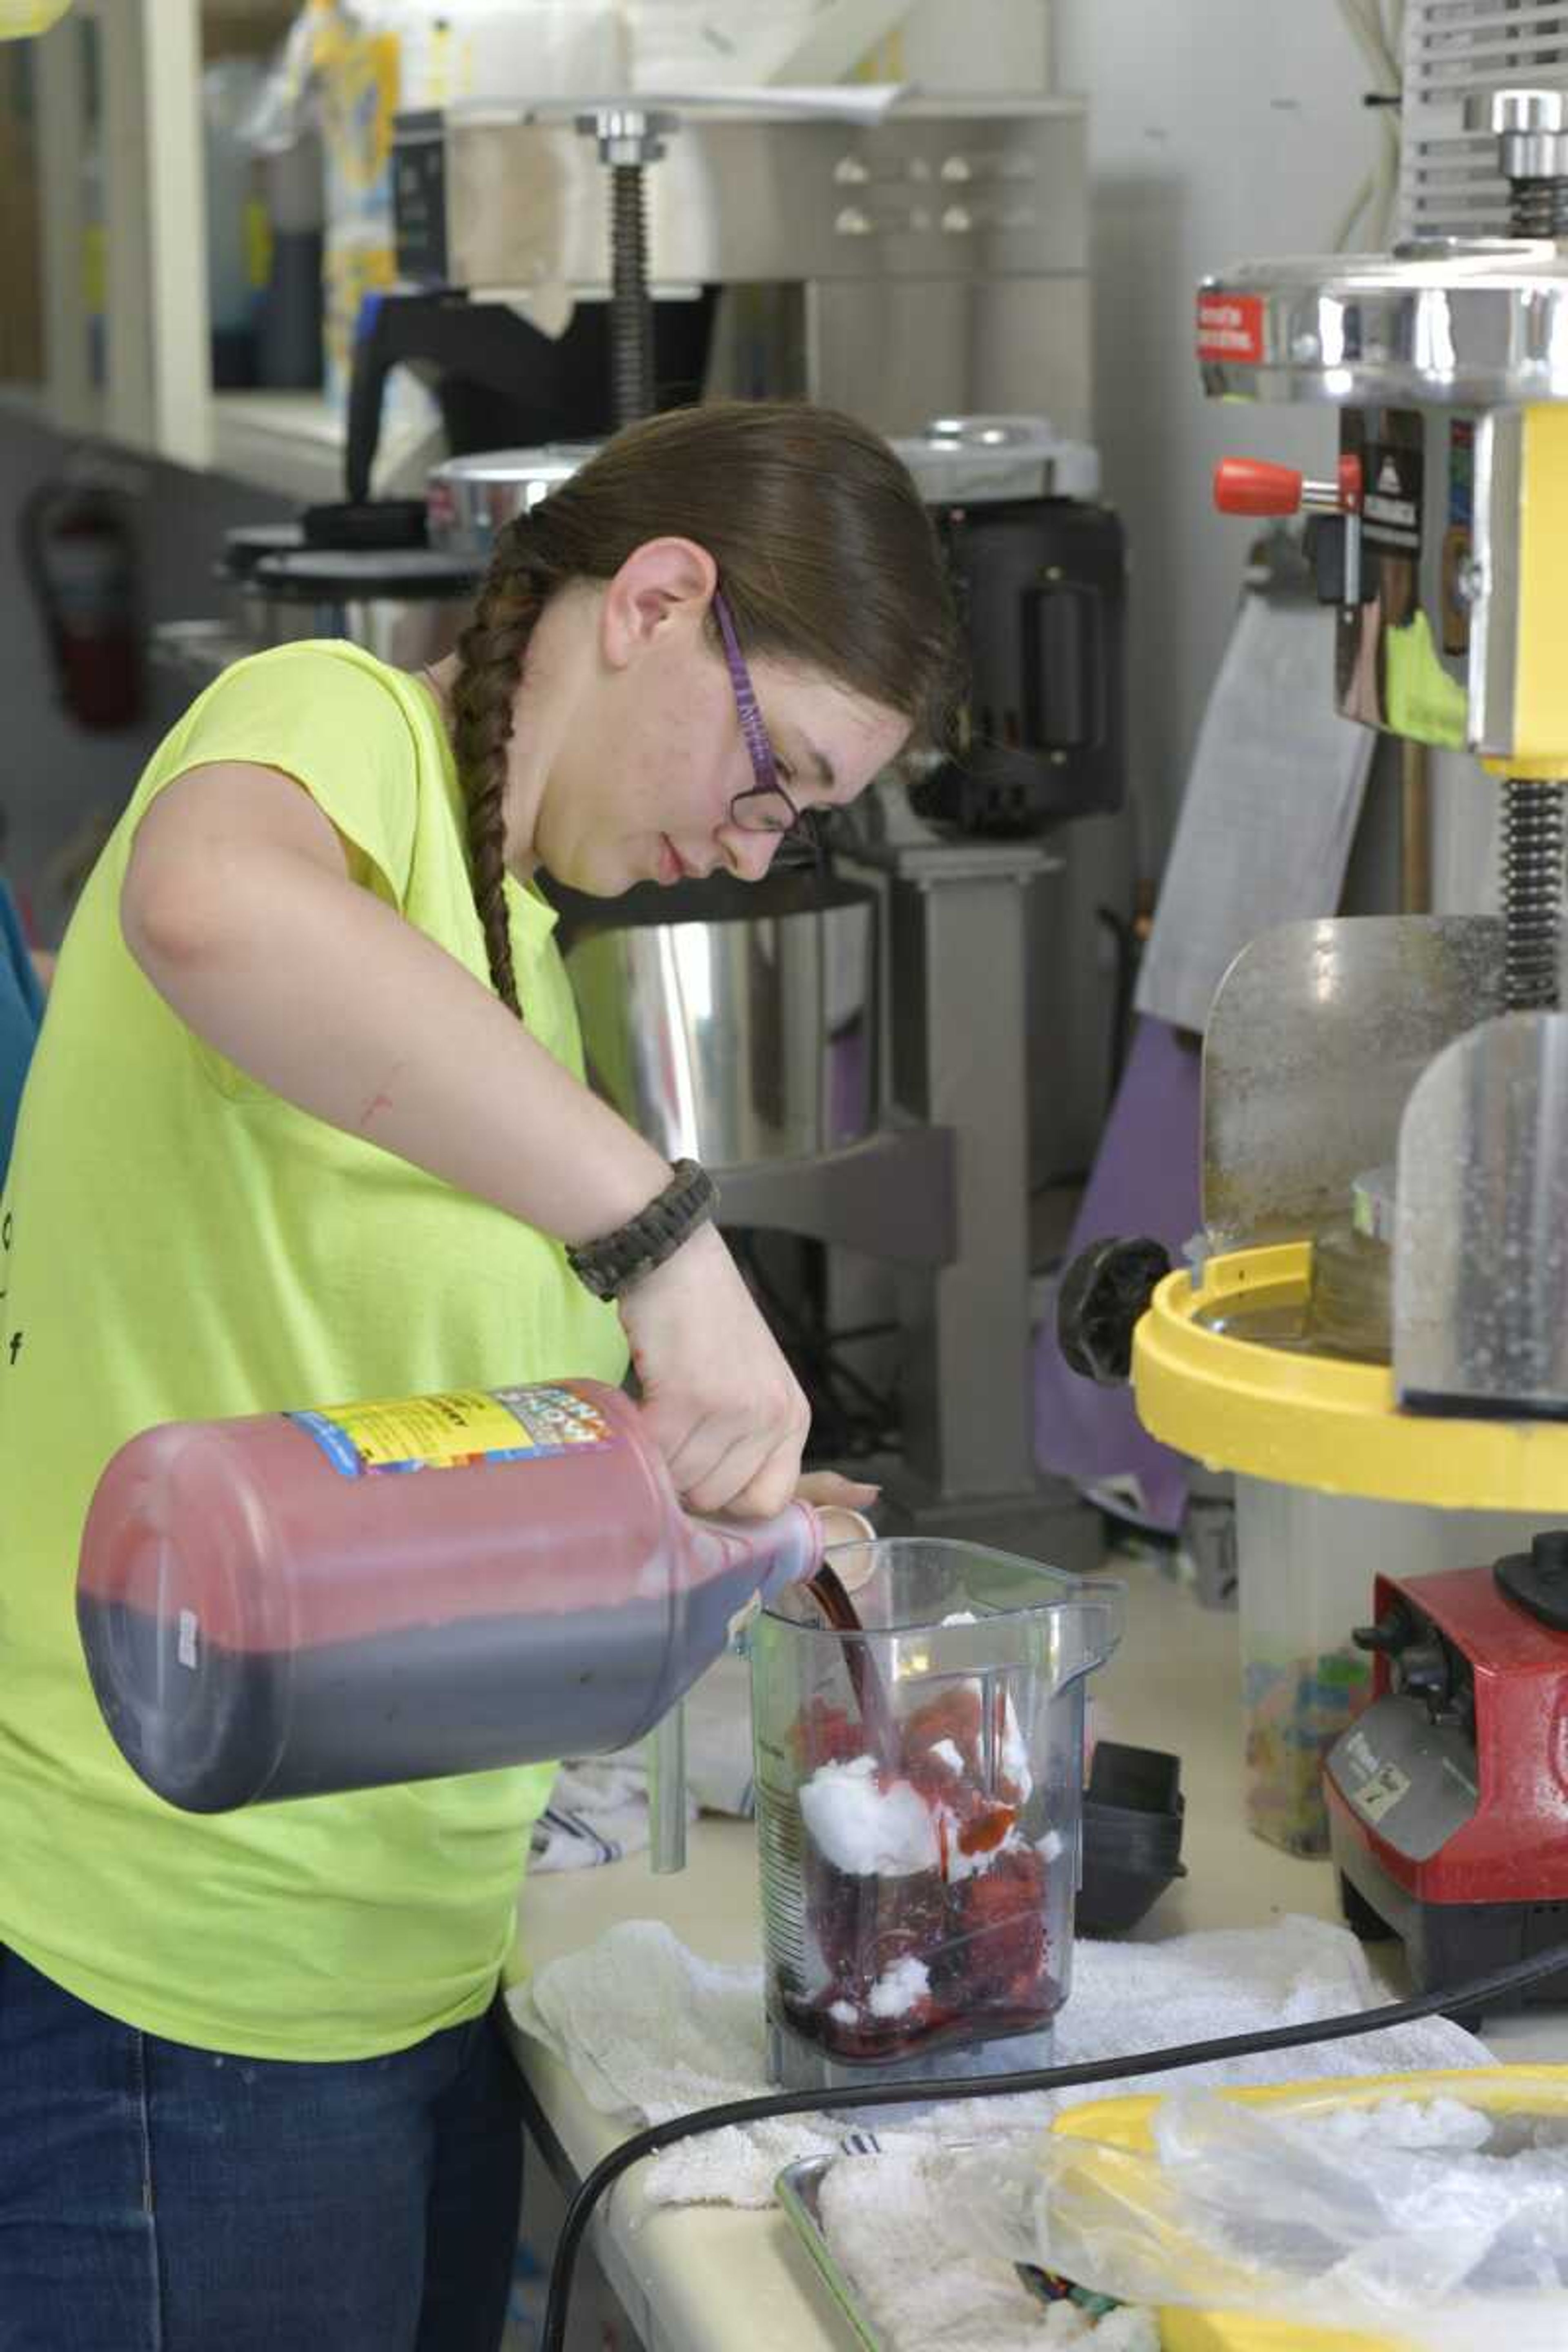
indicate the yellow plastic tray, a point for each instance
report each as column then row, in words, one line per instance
column 1319, row 1421
column 1127, row 2124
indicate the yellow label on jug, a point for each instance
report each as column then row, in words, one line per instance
column 454, row 1430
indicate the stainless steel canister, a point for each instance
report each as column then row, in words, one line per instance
column 468, row 500
column 733, row 1022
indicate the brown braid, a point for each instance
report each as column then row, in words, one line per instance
column 493, row 649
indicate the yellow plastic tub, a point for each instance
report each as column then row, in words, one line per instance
column 1237, row 1403
column 1126, row 2124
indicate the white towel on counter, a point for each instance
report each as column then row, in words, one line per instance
column 598, row 1811
column 909, row 2252
column 598, row 1807
column 651, row 2031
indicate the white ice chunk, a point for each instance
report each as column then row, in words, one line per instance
column 1049, row 1847
column 844, row 2012
column 950, row 1753
column 863, row 1830
column 1016, row 1756
column 901, row 1987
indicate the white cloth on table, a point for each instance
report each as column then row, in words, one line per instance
column 598, row 1811
column 651, row 2031
column 598, row 1808
column 909, row 2252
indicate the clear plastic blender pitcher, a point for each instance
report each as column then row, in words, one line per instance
column 919, row 1789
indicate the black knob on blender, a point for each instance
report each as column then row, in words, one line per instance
column 1537, row 1579
column 1549, row 1554
column 1103, row 1294
column 1391, row 1633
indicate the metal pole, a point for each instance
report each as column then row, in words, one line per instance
column 630, row 139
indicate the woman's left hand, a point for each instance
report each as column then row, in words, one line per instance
column 837, row 1502
column 828, row 1490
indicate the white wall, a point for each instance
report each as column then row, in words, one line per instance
column 1218, row 130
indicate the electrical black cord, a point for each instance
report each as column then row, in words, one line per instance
column 1479, row 1994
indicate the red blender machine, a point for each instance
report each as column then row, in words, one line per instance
column 1448, row 1796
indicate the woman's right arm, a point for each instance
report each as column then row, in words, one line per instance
column 239, row 906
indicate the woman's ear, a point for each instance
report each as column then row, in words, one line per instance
column 663, row 583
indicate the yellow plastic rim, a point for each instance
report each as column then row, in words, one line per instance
column 1319, row 1422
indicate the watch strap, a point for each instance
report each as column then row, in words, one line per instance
column 610, row 1265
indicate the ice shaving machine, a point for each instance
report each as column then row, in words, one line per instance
column 1378, row 1305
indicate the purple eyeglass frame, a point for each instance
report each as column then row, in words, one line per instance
column 759, row 750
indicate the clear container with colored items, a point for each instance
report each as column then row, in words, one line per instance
column 298, row 1602
column 1305, row 1565
column 919, row 1787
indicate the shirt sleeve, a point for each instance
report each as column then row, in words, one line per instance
column 332, row 720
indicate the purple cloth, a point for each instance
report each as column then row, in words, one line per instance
column 1145, row 1179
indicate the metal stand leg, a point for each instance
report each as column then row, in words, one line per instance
column 957, row 988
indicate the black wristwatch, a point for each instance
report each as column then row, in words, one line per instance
column 608, row 1267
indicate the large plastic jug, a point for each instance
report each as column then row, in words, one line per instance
column 296, row 1603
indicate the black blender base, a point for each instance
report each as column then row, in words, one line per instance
column 1447, row 1943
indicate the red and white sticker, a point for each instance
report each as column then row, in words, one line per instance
column 1230, row 327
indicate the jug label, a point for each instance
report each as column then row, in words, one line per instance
column 454, row 1430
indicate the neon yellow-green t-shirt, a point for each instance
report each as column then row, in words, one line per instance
column 181, row 1244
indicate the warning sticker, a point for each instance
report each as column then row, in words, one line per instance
column 1231, row 326
column 1390, row 503
column 1380, row 1794
column 453, row 1431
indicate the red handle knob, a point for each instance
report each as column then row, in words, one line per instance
column 1247, row 485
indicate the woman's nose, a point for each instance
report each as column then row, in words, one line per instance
column 747, row 854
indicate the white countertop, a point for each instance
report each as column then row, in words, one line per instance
column 707, row 2279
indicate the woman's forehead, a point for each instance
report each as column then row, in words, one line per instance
column 832, row 721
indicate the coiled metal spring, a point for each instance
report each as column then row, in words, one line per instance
column 631, row 314
column 1539, row 207
column 1533, row 847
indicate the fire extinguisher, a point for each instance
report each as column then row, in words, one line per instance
column 79, row 553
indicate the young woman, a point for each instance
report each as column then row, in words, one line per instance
column 307, row 1123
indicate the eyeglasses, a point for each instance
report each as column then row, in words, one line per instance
column 765, row 806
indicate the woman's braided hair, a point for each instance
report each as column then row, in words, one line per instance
column 827, row 557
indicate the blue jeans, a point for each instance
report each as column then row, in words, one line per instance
column 159, row 2199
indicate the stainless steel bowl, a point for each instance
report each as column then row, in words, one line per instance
column 732, row 1023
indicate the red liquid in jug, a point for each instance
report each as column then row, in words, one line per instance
column 289, row 1604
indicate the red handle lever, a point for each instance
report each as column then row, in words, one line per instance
column 1248, row 485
